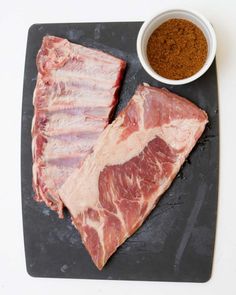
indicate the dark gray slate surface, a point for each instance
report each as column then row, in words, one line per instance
column 176, row 242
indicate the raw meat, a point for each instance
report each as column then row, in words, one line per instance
column 133, row 163
column 75, row 94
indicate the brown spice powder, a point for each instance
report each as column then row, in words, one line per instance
column 177, row 49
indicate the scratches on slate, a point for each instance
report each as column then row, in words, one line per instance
column 190, row 224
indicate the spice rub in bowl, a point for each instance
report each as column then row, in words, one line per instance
column 176, row 46
column 177, row 49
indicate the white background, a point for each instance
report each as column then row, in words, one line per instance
column 15, row 19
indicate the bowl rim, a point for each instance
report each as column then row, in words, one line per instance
column 203, row 69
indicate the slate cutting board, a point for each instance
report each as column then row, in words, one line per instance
column 176, row 242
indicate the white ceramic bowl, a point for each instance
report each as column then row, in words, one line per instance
column 150, row 25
